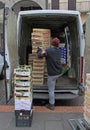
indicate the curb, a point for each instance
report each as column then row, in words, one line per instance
column 58, row 109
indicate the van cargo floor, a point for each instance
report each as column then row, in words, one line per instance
column 65, row 81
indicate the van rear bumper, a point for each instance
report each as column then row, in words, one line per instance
column 59, row 94
column 65, row 96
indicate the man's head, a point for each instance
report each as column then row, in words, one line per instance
column 55, row 42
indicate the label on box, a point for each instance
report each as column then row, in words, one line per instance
column 23, row 104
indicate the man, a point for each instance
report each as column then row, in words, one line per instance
column 52, row 55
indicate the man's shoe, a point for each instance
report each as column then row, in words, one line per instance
column 50, row 106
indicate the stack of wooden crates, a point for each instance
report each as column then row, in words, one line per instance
column 40, row 38
column 87, row 99
column 23, row 95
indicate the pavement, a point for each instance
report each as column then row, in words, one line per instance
column 40, row 121
column 43, row 119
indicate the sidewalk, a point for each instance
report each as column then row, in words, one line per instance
column 43, row 119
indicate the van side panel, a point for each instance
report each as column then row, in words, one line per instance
column 87, row 47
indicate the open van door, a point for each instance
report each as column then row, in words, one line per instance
column 10, row 50
column 87, row 48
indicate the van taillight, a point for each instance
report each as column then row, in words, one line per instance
column 82, row 69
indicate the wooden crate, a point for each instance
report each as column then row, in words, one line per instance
column 22, row 83
column 22, row 73
column 39, row 67
column 30, row 58
column 38, row 71
column 40, row 38
column 38, row 80
column 22, row 92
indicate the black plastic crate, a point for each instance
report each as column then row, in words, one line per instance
column 23, row 118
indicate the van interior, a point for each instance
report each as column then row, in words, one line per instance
column 65, row 27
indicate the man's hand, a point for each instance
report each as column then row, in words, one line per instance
column 39, row 49
column 41, row 53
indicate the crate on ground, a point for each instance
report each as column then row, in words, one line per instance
column 23, row 76
column 23, row 103
column 22, row 92
column 87, row 99
column 22, row 83
column 23, row 118
column 23, row 87
column 22, row 71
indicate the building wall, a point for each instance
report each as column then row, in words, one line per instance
column 82, row 6
column 10, row 3
column 63, row 5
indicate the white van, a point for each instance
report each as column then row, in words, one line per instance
column 1, row 64
column 67, row 26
